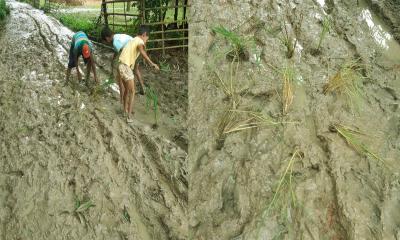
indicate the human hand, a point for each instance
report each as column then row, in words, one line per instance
column 156, row 67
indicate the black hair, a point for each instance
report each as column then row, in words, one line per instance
column 106, row 32
column 144, row 29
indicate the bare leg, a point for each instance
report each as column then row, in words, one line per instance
column 139, row 76
column 121, row 88
column 87, row 75
column 129, row 97
column 68, row 74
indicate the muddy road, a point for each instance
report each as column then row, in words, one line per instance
column 62, row 148
column 238, row 188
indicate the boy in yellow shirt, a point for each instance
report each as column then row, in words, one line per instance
column 127, row 63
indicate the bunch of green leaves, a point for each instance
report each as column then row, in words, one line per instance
column 347, row 81
column 238, row 45
column 81, row 207
column 353, row 139
column 284, row 204
column 4, row 10
column 152, row 101
column 326, row 26
column 165, row 67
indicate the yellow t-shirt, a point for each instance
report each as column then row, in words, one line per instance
column 131, row 52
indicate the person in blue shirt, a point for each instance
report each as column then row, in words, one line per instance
column 81, row 45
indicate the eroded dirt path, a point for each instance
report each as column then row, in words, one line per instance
column 59, row 145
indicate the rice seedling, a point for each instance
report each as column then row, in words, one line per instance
column 353, row 139
column 228, row 83
column 326, row 26
column 288, row 76
column 248, row 120
column 284, row 202
column 126, row 215
column 152, row 101
column 165, row 67
column 80, row 208
column 238, row 44
column 347, row 81
column 288, row 41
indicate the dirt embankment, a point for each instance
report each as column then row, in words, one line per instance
column 61, row 148
column 330, row 191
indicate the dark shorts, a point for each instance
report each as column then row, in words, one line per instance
column 72, row 58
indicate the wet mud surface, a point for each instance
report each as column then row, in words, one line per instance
column 62, row 147
column 335, row 192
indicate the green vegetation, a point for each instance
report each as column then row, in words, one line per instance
column 326, row 26
column 80, row 208
column 353, row 139
column 152, row 101
column 288, row 76
column 284, row 204
column 238, row 45
column 4, row 10
column 347, row 81
column 288, row 41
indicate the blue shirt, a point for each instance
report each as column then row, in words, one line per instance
column 120, row 40
column 78, row 40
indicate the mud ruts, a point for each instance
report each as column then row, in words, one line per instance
column 60, row 145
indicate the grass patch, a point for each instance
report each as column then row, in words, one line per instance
column 347, row 81
column 80, row 22
column 353, row 139
column 81, row 207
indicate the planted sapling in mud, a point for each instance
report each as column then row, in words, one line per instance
column 288, row 41
column 238, row 45
column 284, row 203
column 326, row 26
column 152, row 102
column 288, row 76
column 347, row 81
column 353, row 139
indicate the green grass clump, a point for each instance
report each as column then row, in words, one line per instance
column 80, row 22
column 81, row 207
column 288, row 41
column 165, row 66
column 353, row 139
column 326, row 26
column 347, row 81
column 238, row 45
column 4, row 10
column 152, row 101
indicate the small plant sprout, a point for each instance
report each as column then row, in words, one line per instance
column 165, row 67
column 326, row 26
column 288, row 41
column 228, row 83
column 347, row 81
column 125, row 214
column 152, row 101
column 352, row 137
column 238, row 44
column 80, row 208
column 284, row 202
column 288, row 76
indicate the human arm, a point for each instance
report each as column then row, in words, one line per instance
column 146, row 57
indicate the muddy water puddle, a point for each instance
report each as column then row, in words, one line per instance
column 380, row 32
